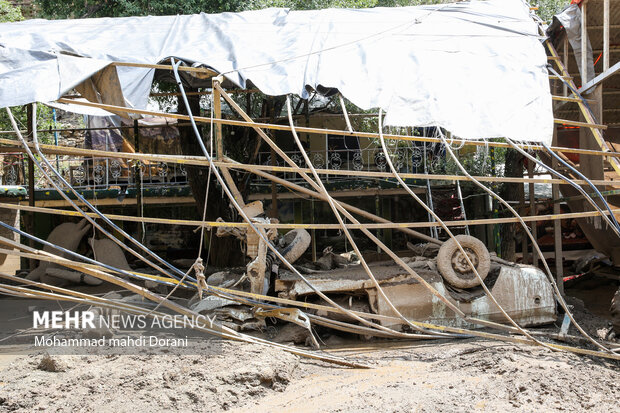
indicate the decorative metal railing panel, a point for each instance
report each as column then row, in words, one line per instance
column 409, row 159
column 85, row 173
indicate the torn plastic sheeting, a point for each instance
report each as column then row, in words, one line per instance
column 476, row 68
column 570, row 19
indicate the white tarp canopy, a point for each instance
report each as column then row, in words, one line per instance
column 476, row 68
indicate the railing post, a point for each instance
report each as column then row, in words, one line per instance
column 217, row 114
column 138, row 178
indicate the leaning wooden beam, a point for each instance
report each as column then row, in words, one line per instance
column 205, row 92
column 386, row 225
column 41, row 255
column 557, row 229
column 589, row 87
column 437, row 177
column 580, row 124
column 585, row 110
column 201, row 161
column 191, row 69
column 302, row 129
column 215, row 328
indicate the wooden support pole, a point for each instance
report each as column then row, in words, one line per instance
column 605, row 35
column 138, row 178
column 30, row 116
column 217, row 114
column 522, row 213
column 274, row 187
column 584, row 43
column 232, row 186
column 592, row 166
column 565, row 61
column 557, row 226
column 313, row 232
column 533, row 211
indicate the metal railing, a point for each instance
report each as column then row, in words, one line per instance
column 410, row 159
column 85, row 173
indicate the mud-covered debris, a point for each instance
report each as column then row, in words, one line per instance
column 292, row 333
column 51, row 364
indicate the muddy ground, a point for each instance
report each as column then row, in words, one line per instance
column 470, row 375
column 446, row 376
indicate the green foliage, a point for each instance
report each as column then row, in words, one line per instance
column 547, row 8
column 71, row 9
column 44, row 119
column 62, row 9
column 310, row 4
column 9, row 13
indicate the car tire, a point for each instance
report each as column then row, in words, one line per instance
column 454, row 268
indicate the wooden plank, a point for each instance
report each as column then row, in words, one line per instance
column 232, row 186
column 167, row 200
column 203, row 70
column 381, row 225
column 580, row 124
column 201, row 161
column 565, row 98
column 554, row 77
column 302, row 129
column 343, row 194
column 571, row 99
column 589, row 86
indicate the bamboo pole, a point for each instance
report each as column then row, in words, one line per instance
column 190, row 69
column 386, row 225
column 214, row 328
column 228, row 163
column 227, row 333
column 557, row 227
column 303, row 129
